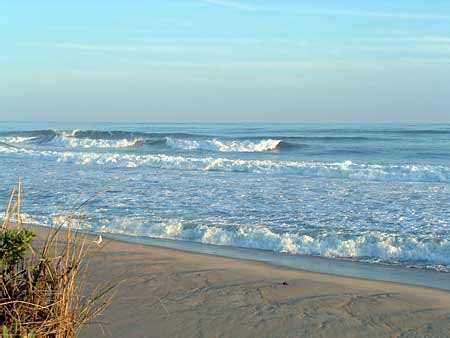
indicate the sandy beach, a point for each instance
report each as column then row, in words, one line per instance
column 171, row 293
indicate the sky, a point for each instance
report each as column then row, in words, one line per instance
column 225, row 61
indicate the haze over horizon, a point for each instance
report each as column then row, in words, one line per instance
column 225, row 61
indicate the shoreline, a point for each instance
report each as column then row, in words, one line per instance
column 314, row 264
column 169, row 292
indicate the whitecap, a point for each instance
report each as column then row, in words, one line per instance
column 223, row 146
column 373, row 245
column 377, row 172
column 68, row 141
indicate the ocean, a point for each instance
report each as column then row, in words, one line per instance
column 361, row 192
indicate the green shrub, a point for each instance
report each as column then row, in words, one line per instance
column 42, row 289
column 13, row 246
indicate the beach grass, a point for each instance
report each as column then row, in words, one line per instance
column 43, row 284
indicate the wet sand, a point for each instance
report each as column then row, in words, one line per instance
column 170, row 293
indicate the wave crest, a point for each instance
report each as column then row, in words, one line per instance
column 347, row 169
column 73, row 142
column 372, row 245
column 16, row 139
column 223, row 146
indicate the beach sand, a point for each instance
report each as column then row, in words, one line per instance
column 170, row 293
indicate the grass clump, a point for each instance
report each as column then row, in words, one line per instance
column 42, row 286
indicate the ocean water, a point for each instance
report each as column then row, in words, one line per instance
column 373, row 193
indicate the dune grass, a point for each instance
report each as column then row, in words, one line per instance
column 42, row 286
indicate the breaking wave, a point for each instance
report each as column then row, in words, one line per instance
column 73, row 139
column 16, row 139
column 224, row 146
column 124, row 139
column 347, row 169
column 72, row 142
column 372, row 245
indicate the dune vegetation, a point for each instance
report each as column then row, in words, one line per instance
column 43, row 288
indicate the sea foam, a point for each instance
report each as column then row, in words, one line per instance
column 376, row 245
column 66, row 141
column 16, row 139
column 223, row 146
column 347, row 169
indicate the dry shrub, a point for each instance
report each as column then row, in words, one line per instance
column 42, row 289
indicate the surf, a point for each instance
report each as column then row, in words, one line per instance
column 347, row 169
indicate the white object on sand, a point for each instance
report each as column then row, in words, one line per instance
column 99, row 240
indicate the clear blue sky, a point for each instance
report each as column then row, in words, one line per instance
column 225, row 60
